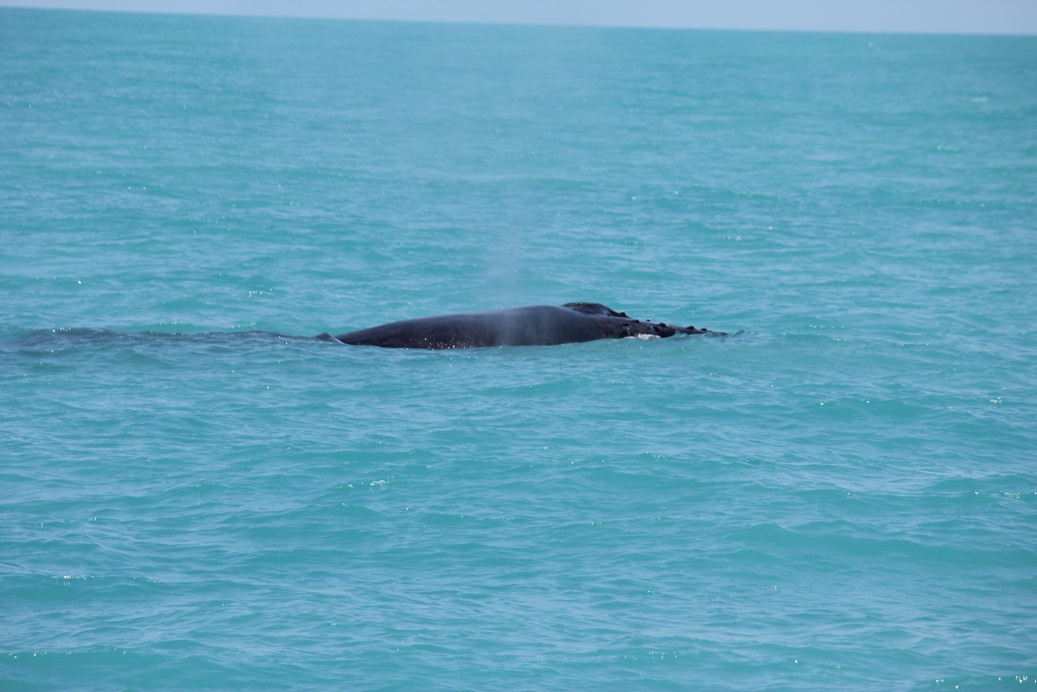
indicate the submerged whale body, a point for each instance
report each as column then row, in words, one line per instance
column 533, row 325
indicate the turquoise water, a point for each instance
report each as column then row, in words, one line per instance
column 843, row 493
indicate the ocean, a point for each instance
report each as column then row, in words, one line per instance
column 841, row 493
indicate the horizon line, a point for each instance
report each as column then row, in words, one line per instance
column 510, row 21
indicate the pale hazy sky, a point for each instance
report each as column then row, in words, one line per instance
column 928, row 16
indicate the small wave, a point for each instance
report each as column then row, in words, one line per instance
column 72, row 337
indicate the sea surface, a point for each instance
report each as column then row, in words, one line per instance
column 841, row 494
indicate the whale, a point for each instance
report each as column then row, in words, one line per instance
column 531, row 325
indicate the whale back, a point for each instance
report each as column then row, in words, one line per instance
column 534, row 325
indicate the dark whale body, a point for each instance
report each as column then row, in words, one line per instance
column 534, row 325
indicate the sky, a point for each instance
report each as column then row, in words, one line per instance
column 920, row 16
